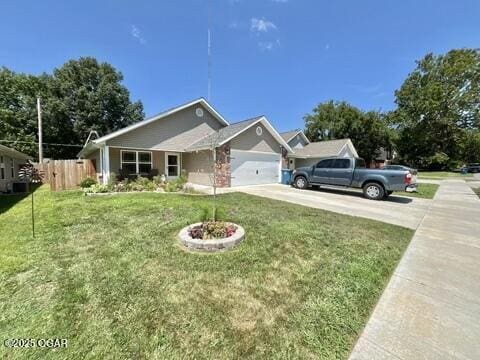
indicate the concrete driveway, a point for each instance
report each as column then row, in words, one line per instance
column 397, row 210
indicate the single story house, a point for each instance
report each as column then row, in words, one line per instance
column 191, row 138
column 187, row 138
column 10, row 163
column 307, row 153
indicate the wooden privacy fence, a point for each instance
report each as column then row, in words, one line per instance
column 66, row 174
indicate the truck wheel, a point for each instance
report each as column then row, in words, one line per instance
column 301, row 182
column 373, row 191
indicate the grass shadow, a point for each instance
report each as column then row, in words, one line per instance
column 7, row 201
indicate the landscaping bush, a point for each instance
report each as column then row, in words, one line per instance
column 97, row 188
column 86, row 183
column 157, row 183
column 207, row 215
column 212, row 230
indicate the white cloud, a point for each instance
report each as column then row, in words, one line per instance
column 137, row 34
column 268, row 45
column 261, row 25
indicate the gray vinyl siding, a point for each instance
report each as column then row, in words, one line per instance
column 199, row 167
column 172, row 133
column 6, row 182
column 250, row 141
column 297, row 142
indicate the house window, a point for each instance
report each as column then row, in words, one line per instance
column 172, row 165
column 136, row 162
column 12, row 168
column 2, row 168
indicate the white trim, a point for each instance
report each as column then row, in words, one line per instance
column 280, row 169
column 268, row 126
column 302, row 133
column 161, row 116
column 106, row 153
column 352, row 147
column 143, row 149
column 179, row 166
column 257, row 152
column 137, row 159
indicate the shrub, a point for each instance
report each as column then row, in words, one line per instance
column 207, row 214
column 158, row 180
column 87, row 182
column 97, row 188
column 172, row 186
column 212, row 230
column 113, row 179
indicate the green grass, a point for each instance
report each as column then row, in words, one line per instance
column 425, row 191
column 108, row 274
column 440, row 175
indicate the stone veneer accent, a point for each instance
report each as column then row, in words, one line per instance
column 224, row 168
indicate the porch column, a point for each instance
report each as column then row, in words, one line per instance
column 106, row 165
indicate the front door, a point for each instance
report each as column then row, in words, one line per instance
column 172, row 165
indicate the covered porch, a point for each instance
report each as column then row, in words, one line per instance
column 135, row 162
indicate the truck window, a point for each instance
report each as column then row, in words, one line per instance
column 341, row 164
column 325, row 164
column 359, row 164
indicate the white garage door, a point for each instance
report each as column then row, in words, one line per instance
column 253, row 168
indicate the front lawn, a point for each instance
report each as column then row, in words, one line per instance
column 425, row 191
column 107, row 274
column 440, row 175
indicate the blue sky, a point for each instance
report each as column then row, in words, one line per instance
column 274, row 57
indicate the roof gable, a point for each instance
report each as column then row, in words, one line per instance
column 326, row 148
column 224, row 135
column 162, row 115
column 289, row 135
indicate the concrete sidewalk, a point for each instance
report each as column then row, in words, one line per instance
column 431, row 306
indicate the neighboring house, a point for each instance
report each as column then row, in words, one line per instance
column 187, row 138
column 307, row 153
column 10, row 162
column 383, row 157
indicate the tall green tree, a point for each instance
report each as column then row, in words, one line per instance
column 81, row 96
column 18, row 116
column 439, row 109
column 338, row 120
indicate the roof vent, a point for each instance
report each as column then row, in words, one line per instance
column 259, row 130
column 199, row 112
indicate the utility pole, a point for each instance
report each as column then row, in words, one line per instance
column 40, row 134
column 209, row 50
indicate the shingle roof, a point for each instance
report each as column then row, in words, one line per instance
column 325, row 148
column 13, row 153
column 287, row 135
column 221, row 135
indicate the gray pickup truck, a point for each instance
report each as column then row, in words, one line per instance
column 377, row 184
